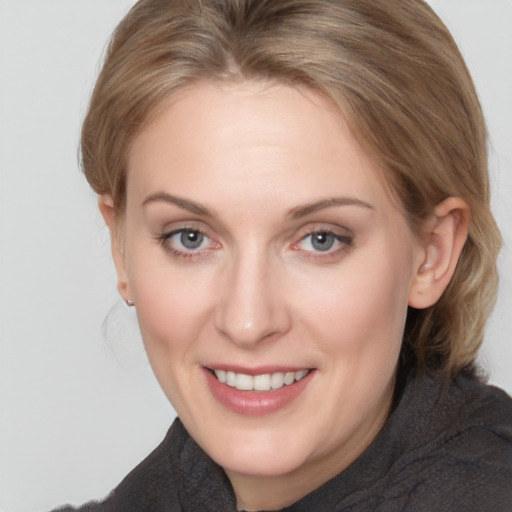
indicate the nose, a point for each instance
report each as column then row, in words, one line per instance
column 252, row 306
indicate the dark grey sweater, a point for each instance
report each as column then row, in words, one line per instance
column 443, row 449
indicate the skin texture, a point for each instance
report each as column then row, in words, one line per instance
column 257, row 292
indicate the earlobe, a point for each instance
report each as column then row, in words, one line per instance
column 107, row 209
column 442, row 243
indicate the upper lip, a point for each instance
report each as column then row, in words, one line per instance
column 256, row 370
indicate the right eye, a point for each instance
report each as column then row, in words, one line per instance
column 186, row 242
column 188, row 239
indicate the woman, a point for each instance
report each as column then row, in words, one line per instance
column 298, row 202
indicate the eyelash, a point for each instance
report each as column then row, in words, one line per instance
column 344, row 241
column 344, row 244
column 178, row 253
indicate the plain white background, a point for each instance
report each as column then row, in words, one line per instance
column 79, row 409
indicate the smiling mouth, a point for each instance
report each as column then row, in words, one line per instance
column 265, row 382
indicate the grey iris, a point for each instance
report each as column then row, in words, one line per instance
column 191, row 239
column 322, row 241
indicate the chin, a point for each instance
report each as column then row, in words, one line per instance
column 258, row 464
column 257, row 451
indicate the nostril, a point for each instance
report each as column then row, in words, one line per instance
column 250, row 308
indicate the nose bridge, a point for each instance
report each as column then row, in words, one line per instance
column 251, row 309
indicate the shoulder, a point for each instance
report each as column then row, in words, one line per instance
column 177, row 476
column 152, row 485
column 463, row 459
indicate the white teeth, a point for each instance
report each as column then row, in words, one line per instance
column 221, row 375
column 264, row 382
column 231, row 379
column 301, row 374
column 244, row 382
column 289, row 378
column 277, row 380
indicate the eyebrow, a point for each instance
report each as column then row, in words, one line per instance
column 294, row 213
column 186, row 204
column 308, row 209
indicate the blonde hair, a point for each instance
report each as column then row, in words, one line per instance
column 397, row 76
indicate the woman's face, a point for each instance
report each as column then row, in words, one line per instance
column 271, row 273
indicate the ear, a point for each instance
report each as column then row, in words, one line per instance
column 106, row 206
column 443, row 238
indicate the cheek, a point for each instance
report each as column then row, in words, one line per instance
column 362, row 308
column 171, row 307
column 172, row 312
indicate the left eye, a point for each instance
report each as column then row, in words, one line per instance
column 323, row 241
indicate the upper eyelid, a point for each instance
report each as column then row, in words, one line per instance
column 321, row 227
column 338, row 236
column 346, row 233
column 167, row 233
column 195, row 224
column 171, row 228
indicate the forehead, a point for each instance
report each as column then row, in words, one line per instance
column 257, row 141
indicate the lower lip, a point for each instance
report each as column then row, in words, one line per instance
column 255, row 403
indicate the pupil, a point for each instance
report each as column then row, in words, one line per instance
column 192, row 239
column 322, row 241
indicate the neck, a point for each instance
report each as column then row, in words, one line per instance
column 274, row 492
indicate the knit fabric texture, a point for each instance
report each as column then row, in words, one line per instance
column 444, row 448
